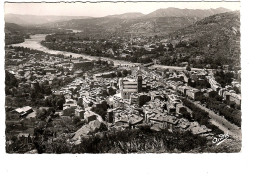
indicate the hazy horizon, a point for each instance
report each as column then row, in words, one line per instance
column 102, row 9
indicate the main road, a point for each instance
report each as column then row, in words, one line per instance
column 222, row 123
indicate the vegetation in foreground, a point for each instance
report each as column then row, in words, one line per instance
column 142, row 140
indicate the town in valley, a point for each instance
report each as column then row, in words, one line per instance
column 164, row 82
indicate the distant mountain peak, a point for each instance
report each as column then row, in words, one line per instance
column 176, row 12
column 128, row 15
column 26, row 20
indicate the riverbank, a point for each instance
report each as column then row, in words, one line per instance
column 35, row 43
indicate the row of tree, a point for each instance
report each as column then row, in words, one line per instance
column 201, row 116
column 231, row 114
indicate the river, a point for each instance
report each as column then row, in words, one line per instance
column 35, row 43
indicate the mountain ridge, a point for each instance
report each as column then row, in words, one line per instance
column 27, row 20
column 176, row 12
column 129, row 15
column 167, row 12
column 215, row 38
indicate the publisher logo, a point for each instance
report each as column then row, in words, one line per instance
column 220, row 138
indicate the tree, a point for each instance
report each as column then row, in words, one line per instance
column 113, row 75
column 41, row 114
column 98, row 61
column 111, row 91
column 112, row 63
column 119, row 74
column 237, row 90
column 47, row 90
column 10, row 80
column 188, row 68
column 59, row 103
column 124, row 72
column 224, row 78
column 187, row 115
column 33, row 94
column 90, row 104
column 76, row 120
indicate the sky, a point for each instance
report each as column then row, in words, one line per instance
column 107, row 8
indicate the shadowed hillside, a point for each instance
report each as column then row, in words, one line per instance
column 175, row 12
column 215, row 38
column 147, row 26
column 14, row 33
column 159, row 22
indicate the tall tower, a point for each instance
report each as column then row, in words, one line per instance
column 139, row 83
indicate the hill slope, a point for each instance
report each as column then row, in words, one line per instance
column 147, row 26
column 159, row 22
column 127, row 15
column 14, row 33
column 26, row 20
column 216, row 38
column 175, row 12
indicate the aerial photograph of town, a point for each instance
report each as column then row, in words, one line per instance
column 122, row 78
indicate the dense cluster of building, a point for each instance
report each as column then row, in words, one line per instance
column 148, row 96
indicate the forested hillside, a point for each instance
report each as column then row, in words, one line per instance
column 216, row 39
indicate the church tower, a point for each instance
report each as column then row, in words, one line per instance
column 139, row 83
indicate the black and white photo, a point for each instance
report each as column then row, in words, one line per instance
column 125, row 77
